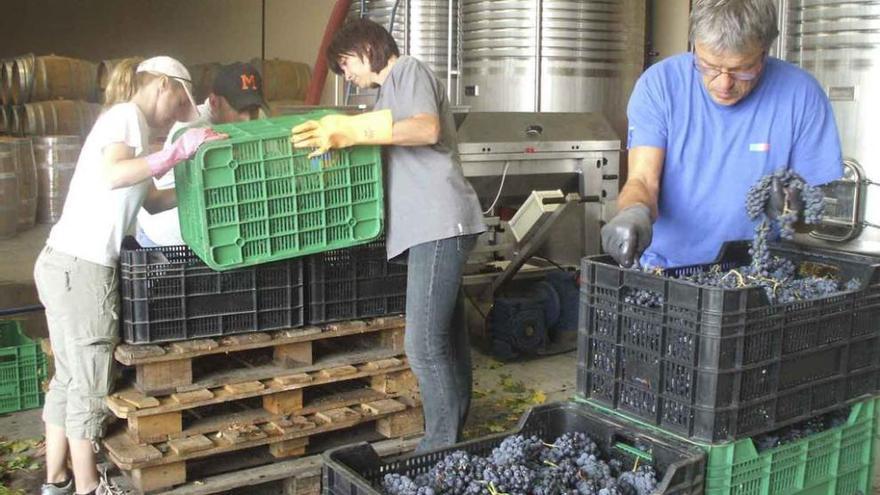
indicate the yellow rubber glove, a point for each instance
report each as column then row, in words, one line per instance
column 342, row 131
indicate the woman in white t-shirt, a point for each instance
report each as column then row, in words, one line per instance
column 76, row 272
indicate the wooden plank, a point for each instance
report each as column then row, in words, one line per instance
column 131, row 357
column 245, row 339
column 295, row 379
column 309, row 467
column 393, row 339
column 127, row 452
column 396, row 383
column 156, row 378
column 408, row 422
column 297, row 333
column 127, row 353
column 284, row 402
column 288, row 448
column 303, row 468
column 223, row 377
column 381, row 364
column 220, row 395
column 302, row 485
column 136, row 399
column 188, row 346
column 181, row 446
column 200, row 395
column 244, row 387
column 338, row 371
column 241, row 433
column 158, row 477
column 292, row 355
column 384, row 406
column 338, row 415
column 155, row 428
column 258, row 416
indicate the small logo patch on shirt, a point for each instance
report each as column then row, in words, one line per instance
column 759, row 147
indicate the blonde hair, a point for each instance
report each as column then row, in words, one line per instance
column 124, row 81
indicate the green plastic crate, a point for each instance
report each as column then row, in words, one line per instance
column 22, row 369
column 838, row 461
column 253, row 198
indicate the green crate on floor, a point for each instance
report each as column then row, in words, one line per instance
column 837, row 461
column 22, row 369
column 253, row 198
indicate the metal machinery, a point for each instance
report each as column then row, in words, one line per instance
column 506, row 156
column 425, row 29
column 548, row 56
column 839, row 43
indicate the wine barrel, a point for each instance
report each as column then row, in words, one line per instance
column 51, row 77
column 60, row 117
column 55, row 158
column 5, row 120
column 26, row 174
column 8, row 196
column 283, row 79
column 203, row 79
column 16, row 120
column 21, row 79
column 6, row 81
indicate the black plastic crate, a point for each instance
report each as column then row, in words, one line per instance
column 358, row 470
column 723, row 364
column 169, row 294
column 357, row 282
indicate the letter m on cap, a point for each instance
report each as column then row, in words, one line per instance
column 248, row 81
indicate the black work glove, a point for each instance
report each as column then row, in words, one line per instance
column 628, row 234
column 784, row 198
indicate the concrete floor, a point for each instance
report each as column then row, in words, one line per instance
column 501, row 391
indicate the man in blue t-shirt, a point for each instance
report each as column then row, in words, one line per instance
column 705, row 126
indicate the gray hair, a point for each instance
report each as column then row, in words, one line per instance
column 734, row 26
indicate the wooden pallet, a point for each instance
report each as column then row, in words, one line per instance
column 156, row 419
column 162, row 465
column 301, row 476
column 208, row 363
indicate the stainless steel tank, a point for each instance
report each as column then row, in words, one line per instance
column 422, row 28
column 839, row 43
column 542, row 55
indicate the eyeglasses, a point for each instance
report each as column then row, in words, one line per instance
column 739, row 75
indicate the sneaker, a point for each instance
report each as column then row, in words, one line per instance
column 49, row 489
column 107, row 487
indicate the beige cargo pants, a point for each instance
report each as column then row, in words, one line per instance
column 82, row 307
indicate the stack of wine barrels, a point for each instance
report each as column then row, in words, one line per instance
column 26, row 178
column 284, row 82
column 48, row 94
column 55, row 158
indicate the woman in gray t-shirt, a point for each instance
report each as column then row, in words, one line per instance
column 433, row 213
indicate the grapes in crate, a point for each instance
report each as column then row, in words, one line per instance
column 782, row 280
column 523, row 465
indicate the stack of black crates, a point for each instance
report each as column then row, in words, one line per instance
column 169, row 294
column 718, row 367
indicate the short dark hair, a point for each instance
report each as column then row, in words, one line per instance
column 363, row 38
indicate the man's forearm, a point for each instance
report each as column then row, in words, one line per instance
column 636, row 191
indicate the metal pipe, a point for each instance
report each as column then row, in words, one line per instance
column 21, row 309
column 263, row 32
column 539, row 7
column 449, row 52
column 319, row 73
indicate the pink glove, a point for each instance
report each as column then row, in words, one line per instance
column 182, row 149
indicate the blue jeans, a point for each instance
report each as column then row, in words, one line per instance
column 436, row 339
